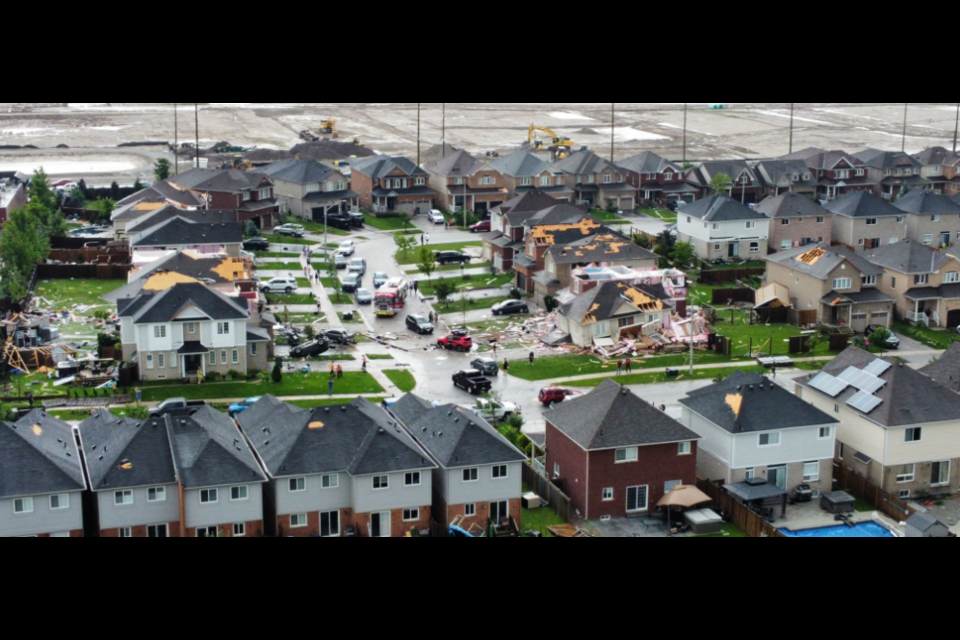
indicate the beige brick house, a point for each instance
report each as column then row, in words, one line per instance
column 864, row 221
column 796, row 221
column 933, row 220
column 461, row 180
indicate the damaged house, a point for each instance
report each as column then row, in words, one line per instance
column 604, row 315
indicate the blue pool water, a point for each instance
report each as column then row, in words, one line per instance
column 865, row 530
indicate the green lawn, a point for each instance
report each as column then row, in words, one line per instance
column 386, row 224
column 569, row 366
column 292, row 299
column 287, row 240
column 452, row 267
column 664, row 214
column 752, row 264
column 414, row 256
column 606, row 216
column 729, row 531
column 293, row 255
column 403, row 379
column 288, row 267
column 456, row 306
column 741, row 333
column 64, row 293
column 538, row 519
column 661, row 377
column 429, row 288
column 293, row 384
column 938, row 339
column 336, row 402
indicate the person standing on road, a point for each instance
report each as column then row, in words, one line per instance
column 421, row 240
column 427, row 236
column 506, row 366
column 532, row 357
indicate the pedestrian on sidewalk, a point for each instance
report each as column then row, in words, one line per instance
column 619, row 367
column 339, row 372
column 629, row 365
column 364, row 364
column 494, row 350
column 421, row 240
column 506, row 366
column 427, row 236
column 532, row 357
column 330, row 387
column 319, row 307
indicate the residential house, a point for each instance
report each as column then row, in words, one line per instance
column 523, row 173
column 540, row 233
column 720, row 227
column 863, row 221
column 134, row 483
column 796, row 221
column 461, row 180
column 249, row 194
column 615, row 454
column 935, row 165
column 189, row 330
column 925, row 283
column 391, row 183
column 501, row 245
column 179, row 234
column 933, row 219
column 951, row 173
column 477, row 481
column 745, row 186
column 221, row 485
column 831, row 285
column 41, row 479
column 596, row 182
column 310, row 190
column 945, row 370
column 338, row 471
column 898, row 429
column 893, row 172
column 673, row 281
column 837, row 173
column 606, row 313
column 656, row 179
column 786, row 176
column 753, row 428
column 13, row 193
column 153, row 198
column 142, row 221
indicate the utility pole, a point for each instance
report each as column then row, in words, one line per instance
column 613, row 127
column 418, row 134
column 443, row 130
column 956, row 129
column 685, row 133
column 791, row 126
column 906, row 111
column 196, row 124
column 176, row 140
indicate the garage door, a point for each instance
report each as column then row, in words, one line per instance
column 858, row 322
column 883, row 319
column 953, row 319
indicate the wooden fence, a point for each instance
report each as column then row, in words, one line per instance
column 741, row 517
column 724, row 297
column 859, row 487
column 726, row 276
column 83, row 271
column 541, row 485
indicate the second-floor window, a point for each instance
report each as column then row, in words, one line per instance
column 331, row 481
column 924, row 279
column 820, row 219
column 525, row 182
column 869, row 281
column 785, row 222
column 769, row 439
column 239, row 494
column 685, row 448
column 871, row 222
column 951, row 277
column 264, row 194
column 191, row 327
column 412, row 479
column 157, row 494
column 471, row 475
column 458, row 181
column 297, row 485
column 607, row 178
column 860, row 173
column 420, row 182
column 23, row 505
column 223, row 328
column 626, row 455
column 160, row 331
column 123, row 498
column 842, row 283
column 935, row 218
column 913, row 435
column 545, row 181
column 209, row 496
column 668, row 176
column 381, row 482
column 500, row 472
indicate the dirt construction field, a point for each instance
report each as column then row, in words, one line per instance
column 752, row 130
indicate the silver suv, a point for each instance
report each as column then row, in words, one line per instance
column 279, row 285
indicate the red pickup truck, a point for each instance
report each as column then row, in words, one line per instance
column 457, row 341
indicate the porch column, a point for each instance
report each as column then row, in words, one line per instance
column 916, row 310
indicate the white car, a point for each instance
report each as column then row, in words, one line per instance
column 494, row 410
column 347, row 248
column 280, row 285
column 436, row 217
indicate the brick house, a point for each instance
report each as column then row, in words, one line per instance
column 523, row 172
column 933, row 219
column 180, row 233
column 753, row 428
column 951, row 173
column 892, row 172
column 796, row 221
column 745, row 187
column 507, row 230
column 132, row 477
column 141, row 221
column 596, row 181
column 248, row 194
column 656, row 179
column 478, row 477
column 720, row 227
column 934, row 163
column 786, row 176
column 461, row 180
column 615, row 454
column 309, row 190
column 837, row 173
column 391, row 183
column 541, row 230
column 863, row 221
column 41, row 479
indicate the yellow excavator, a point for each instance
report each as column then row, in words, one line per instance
column 329, row 126
column 561, row 147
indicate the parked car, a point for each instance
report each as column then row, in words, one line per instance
column 340, row 260
column 256, row 244
column 347, row 248
column 176, row 407
column 456, row 341
column 480, row 227
column 419, row 323
column 340, row 336
column 358, row 266
column 486, row 366
column 350, row 283
column 510, row 307
column 436, row 217
column 379, row 279
column 494, row 410
column 364, row 296
column 893, row 342
column 240, row 407
column 312, row 349
column 279, row 285
column 290, row 230
column 340, row 221
column 555, row 395
column 452, row 257
column 356, row 218
column 472, row 382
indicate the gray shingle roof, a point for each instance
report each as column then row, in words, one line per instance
column 180, row 231
column 863, row 204
column 792, row 205
column 908, row 257
column 111, row 443
column 754, row 404
column 410, row 408
column 583, row 163
column 166, row 305
column 782, row 172
column 603, row 301
column 557, row 214
column 923, row 522
column 732, row 168
column 648, row 162
column 933, row 156
column 460, row 163
column 605, row 246
column 946, row 370
column 38, row 456
column 297, row 171
column 611, row 417
column 220, row 180
column 520, row 164
column 156, row 218
column 359, row 439
column 381, row 166
column 956, row 198
column 527, row 203
column 203, row 269
column 886, row 159
column 720, row 208
column 924, row 202
column 209, row 451
column 823, row 266
column 909, row 397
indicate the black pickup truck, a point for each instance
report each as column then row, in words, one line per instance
column 472, row 381
column 178, row 407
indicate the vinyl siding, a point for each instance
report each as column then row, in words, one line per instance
column 42, row 520
column 940, row 442
column 366, row 500
column 486, row 489
column 314, row 498
column 223, row 512
column 140, row 512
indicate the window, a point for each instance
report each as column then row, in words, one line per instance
column 871, row 222
column 223, row 356
column 419, row 181
column 161, row 361
column 209, row 496
column 235, row 356
column 750, row 474
column 951, row 277
column 900, row 219
column 238, row 494
column 330, row 482
column 811, row 472
column 525, row 182
column 473, row 475
column 297, row 485
column 769, row 439
column 685, row 448
column 688, row 219
column 60, row 502
column 589, row 179
column 836, row 408
column 825, row 433
column 608, row 494
column 751, row 224
column 940, row 474
column 754, row 247
column 556, row 471
column 123, row 498
column 907, row 473
column 160, row 331
column 298, row 521
column 458, row 181
column 914, row 435
column 904, row 495
column 785, row 222
column 842, row 283
column 716, row 247
column 500, row 472
column 469, row 510
column 239, row 530
column 411, row 515
column 893, row 283
column 412, row 479
column 330, row 524
column 545, row 181
column 208, row 532
column 923, row 279
column 381, row 482
column 935, row 218
column 124, row 533
column 253, row 348
column 625, row 322
column 637, row 499
column 157, row 531
column 23, row 505
column 223, row 328
column 820, row 219
column 668, row 176
column 860, row 173
column 841, row 449
column 870, row 281
column 149, row 361
column 607, row 178
column 157, row 494
column 191, row 327
column 626, row 455
column 213, row 358
column 928, row 238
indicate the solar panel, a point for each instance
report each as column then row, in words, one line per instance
column 878, row 367
column 864, row 402
column 828, row 384
column 862, row 380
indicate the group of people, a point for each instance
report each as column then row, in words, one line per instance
column 424, row 238
column 624, row 366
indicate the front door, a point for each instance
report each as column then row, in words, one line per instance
column 777, row 476
column 499, row 511
column 733, row 250
column 953, row 319
column 945, row 239
column 380, row 525
column 192, row 364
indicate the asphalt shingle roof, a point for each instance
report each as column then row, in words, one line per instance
column 520, row 164
column 720, row 208
column 209, row 451
column 946, row 370
column 179, row 231
column 38, row 456
column 612, row 417
column 156, row 218
column 820, row 260
column 298, row 171
column 791, row 205
column 603, row 301
column 648, row 162
column 606, row 246
column 167, row 305
column 583, row 163
column 908, row 257
column 862, row 204
column 925, row 202
column 124, row 453
column 382, row 166
column 460, row 163
column 220, row 180
column 886, row 159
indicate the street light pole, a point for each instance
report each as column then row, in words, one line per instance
column 906, row 111
column 956, row 129
column 196, row 123
column 613, row 125
column 791, row 126
column 176, row 139
column 685, row 133
column 418, row 134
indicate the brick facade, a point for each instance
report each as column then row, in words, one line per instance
column 398, row 528
column 173, row 531
column 800, row 230
column 254, row 530
column 482, row 517
column 73, row 534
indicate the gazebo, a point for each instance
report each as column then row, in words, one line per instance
column 682, row 497
column 757, row 492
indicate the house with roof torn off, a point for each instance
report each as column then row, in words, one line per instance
column 613, row 311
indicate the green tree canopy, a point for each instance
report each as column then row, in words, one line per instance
column 721, row 183
column 428, row 263
column 682, row 254
column 22, row 245
column 161, row 169
column 104, row 207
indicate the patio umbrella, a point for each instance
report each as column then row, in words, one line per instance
column 682, row 497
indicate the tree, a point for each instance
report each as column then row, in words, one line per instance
column 428, row 263
column 612, row 206
column 332, row 273
column 879, row 337
column 444, row 289
column 114, row 191
column 45, row 206
column 277, row 375
column 22, row 245
column 40, row 190
column 682, row 254
column 137, row 186
column 75, row 199
column 161, row 169
column 251, row 230
column 404, row 243
column 721, row 183
column 550, row 304
column 104, row 208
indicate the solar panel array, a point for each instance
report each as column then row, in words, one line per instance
column 829, row 385
column 862, row 380
column 864, row 402
column 878, row 367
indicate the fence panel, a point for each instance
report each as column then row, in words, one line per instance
column 728, row 296
column 726, row 276
column 541, row 485
column 747, row 521
column 860, row 487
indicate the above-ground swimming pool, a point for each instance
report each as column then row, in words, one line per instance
column 865, row 530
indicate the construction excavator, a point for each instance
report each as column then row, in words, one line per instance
column 561, row 147
column 329, row 126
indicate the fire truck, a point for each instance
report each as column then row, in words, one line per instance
column 389, row 302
